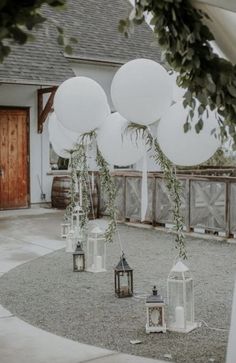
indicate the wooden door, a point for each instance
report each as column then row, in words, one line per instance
column 14, row 171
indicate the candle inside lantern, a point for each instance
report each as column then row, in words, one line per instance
column 98, row 262
column 124, row 290
column 179, row 316
column 79, row 263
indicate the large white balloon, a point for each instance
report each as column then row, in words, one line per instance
column 141, row 91
column 187, row 149
column 60, row 151
column 81, row 104
column 61, row 136
column 119, row 147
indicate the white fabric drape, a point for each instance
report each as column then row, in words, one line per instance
column 144, row 193
column 222, row 24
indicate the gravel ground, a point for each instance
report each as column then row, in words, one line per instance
column 82, row 306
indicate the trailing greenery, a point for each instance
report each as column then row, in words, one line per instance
column 109, row 189
column 19, row 17
column 185, row 40
column 79, row 171
column 172, row 183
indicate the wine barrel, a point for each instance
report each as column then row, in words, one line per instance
column 60, row 194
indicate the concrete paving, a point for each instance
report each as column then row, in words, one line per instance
column 22, row 239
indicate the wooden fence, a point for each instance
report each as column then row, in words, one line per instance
column 208, row 202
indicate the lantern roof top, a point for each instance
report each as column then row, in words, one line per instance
column 123, row 264
column 78, row 250
column 179, row 267
column 78, row 208
column 155, row 297
column 97, row 230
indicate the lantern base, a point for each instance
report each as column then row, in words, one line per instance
column 189, row 327
column 155, row 329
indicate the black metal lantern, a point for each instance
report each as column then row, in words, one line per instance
column 123, row 278
column 78, row 259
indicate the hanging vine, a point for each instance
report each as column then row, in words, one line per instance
column 185, row 40
column 109, row 189
column 172, row 183
column 79, row 172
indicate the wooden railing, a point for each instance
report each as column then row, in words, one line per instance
column 208, row 202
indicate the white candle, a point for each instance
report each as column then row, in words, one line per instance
column 92, row 181
column 98, row 263
column 79, row 263
column 179, row 317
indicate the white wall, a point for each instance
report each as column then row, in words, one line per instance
column 26, row 96
column 103, row 74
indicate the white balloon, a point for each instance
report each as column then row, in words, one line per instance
column 59, row 150
column 81, row 104
column 187, row 149
column 141, row 91
column 118, row 147
column 62, row 136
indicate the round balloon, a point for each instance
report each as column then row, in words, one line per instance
column 81, row 104
column 190, row 148
column 60, row 151
column 60, row 135
column 119, row 147
column 141, row 91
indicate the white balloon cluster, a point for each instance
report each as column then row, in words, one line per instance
column 142, row 92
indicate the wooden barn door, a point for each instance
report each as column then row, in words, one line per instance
column 14, row 156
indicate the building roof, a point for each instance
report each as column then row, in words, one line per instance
column 95, row 25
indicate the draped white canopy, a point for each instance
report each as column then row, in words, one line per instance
column 222, row 24
column 224, row 4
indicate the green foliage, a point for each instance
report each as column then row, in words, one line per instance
column 109, row 189
column 172, row 183
column 19, row 17
column 180, row 31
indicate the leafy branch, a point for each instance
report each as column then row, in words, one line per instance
column 185, row 40
column 172, row 183
column 108, row 187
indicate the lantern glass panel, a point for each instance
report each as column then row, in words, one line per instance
column 96, row 254
column 78, row 262
column 189, row 301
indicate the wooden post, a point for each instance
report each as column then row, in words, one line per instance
column 124, row 194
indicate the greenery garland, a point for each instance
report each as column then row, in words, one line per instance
column 180, row 31
column 109, row 189
column 172, row 183
column 79, row 169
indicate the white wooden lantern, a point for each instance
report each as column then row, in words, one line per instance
column 155, row 313
column 96, row 251
column 65, row 227
column 70, row 241
column 76, row 217
column 180, row 296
